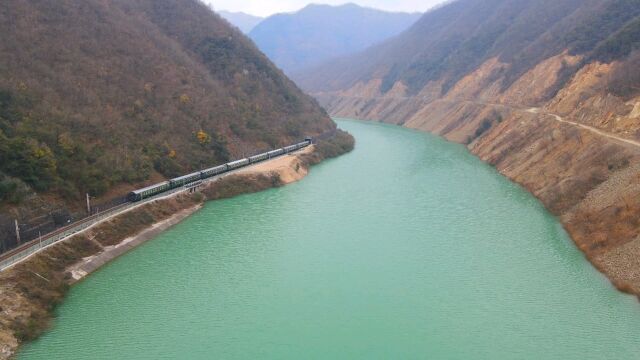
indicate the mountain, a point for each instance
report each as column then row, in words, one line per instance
column 102, row 96
column 547, row 91
column 320, row 32
column 244, row 22
column 453, row 40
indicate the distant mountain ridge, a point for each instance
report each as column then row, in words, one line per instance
column 295, row 41
column 455, row 39
column 242, row 21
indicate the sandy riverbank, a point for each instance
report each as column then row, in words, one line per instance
column 288, row 168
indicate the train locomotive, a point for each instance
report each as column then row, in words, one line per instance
column 153, row 190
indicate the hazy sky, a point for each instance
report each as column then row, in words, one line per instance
column 269, row 7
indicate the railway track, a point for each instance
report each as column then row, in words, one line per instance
column 32, row 247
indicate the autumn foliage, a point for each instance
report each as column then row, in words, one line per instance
column 96, row 94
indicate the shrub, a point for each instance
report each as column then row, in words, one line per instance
column 340, row 144
column 167, row 167
column 7, row 187
column 13, row 190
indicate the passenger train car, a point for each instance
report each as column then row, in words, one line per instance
column 238, row 164
column 150, row 191
column 214, row 171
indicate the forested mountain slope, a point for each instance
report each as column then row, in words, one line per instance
column 319, row 32
column 547, row 91
column 100, row 96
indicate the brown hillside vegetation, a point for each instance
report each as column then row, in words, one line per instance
column 99, row 93
column 546, row 91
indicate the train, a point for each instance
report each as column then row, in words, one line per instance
column 153, row 190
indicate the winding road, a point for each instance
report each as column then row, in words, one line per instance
column 586, row 127
column 540, row 111
column 533, row 110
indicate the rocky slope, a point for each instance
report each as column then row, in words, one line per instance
column 551, row 97
column 101, row 97
column 321, row 32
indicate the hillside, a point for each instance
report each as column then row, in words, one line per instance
column 320, row 32
column 244, row 22
column 547, row 91
column 453, row 40
column 102, row 96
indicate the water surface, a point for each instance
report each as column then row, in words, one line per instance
column 407, row 248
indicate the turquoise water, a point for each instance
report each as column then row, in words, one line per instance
column 407, row 248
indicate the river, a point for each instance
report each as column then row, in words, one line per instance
column 407, row 248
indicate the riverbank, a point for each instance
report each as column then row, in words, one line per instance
column 589, row 181
column 399, row 248
column 573, row 143
column 30, row 291
column 278, row 172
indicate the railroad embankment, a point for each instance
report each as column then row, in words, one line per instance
column 30, row 291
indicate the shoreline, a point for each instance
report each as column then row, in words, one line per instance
column 89, row 265
column 596, row 260
column 284, row 167
column 30, row 290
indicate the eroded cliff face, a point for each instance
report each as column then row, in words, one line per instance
column 575, row 146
